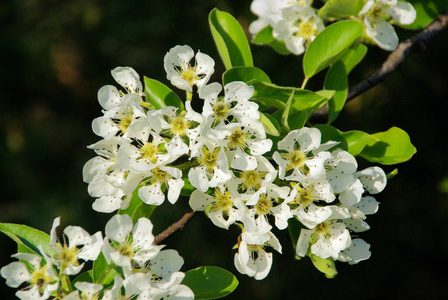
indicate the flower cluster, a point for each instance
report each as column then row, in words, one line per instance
column 297, row 24
column 148, row 272
column 239, row 175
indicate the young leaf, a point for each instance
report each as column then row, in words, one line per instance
column 135, row 202
column 143, row 211
column 351, row 141
column 353, row 56
column 286, row 112
column 210, row 282
column 294, row 228
column 336, row 80
column 102, row 273
column 340, row 8
column 329, row 44
column 325, row 265
column 390, row 147
column 26, row 237
column 159, row 95
column 297, row 120
column 270, row 124
column 265, row 37
column 245, row 74
column 230, row 40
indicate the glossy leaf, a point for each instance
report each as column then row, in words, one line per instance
column 390, row 147
column 159, row 95
column 270, row 124
column 245, row 74
column 353, row 56
column 427, row 11
column 265, row 37
column 329, row 44
column 84, row 277
column 297, row 120
column 341, row 8
column 143, row 211
column 210, row 282
column 351, row 141
column 102, row 273
column 272, row 95
column 230, row 39
column 286, row 112
column 26, row 237
column 336, row 80
column 325, row 265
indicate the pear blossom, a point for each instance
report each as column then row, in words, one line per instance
column 377, row 28
column 125, row 244
column 252, row 259
column 66, row 256
column 298, row 27
column 298, row 144
column 110, row 97
column 182, row 74
column 358, row 251
column 41, row 279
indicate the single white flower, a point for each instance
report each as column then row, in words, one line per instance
column 66, row 256
column 125, row 243
column 41, row 279
column 378, row 29
column 182, row 74
column 298, row 27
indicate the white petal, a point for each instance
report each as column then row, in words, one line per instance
column 119, row 227
column 174, row 188
column 152, row 194
column 404, row 13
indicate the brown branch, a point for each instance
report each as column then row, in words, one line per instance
column 416, row 43
column 176, row 226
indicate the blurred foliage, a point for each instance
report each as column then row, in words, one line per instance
column 56, row 54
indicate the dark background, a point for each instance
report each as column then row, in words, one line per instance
column 55, row 55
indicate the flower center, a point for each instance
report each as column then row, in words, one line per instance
column 237, row 139
column 179, row 125
column 251, row 180
column 159, row 176
column 296, row 159
column 223, row 201
column 188, row 73
column 209, row 158
column 264, row 205
column 67, row 256
column 304, row 197
column 149, row 152
column 125, row 122
column 221, row 111
column 306, row 29
column 40, row 277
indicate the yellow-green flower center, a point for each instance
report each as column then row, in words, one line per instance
column 189, row 74
column 296, row 159
column 264, row 205
column 251, row 180
column 179, row 124
column 159, row 176
column 125, row 122
column 306, row 29
column 40, row 277
column 304, row 196
column 209, row 158
column 149, row 152
column 67, row 256
column 223, row 201
column 237, row 139
column 221, row 111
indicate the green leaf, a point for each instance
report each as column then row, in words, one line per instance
column 270, row 124
column 84, row 277
column 294, row 228
column 143, row 211
column 341, row 8
column 210, row 282
column 26, row 237
column 286, row 112
column 272, row 95
column 265, row 37
column 135, row 202
column 102, row 273
column 353, row 56
column 427, row 11
column 336, row 80
column 392, row 174
column 329, row 44
column 325, row 265
column 245, row 74
column 297, row 120
column 391, row 147
column 351, row 141
column 230, row 40
column 159, row 95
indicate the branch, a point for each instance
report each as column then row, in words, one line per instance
column 176, row 226
column 416, row 43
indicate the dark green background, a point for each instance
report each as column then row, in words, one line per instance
column 55, row 55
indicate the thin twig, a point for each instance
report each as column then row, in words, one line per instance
column 416, row 43
column 176, row 226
